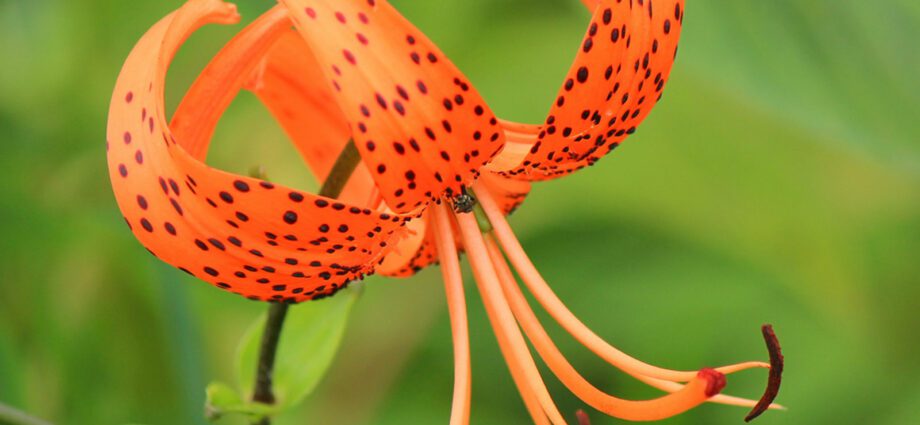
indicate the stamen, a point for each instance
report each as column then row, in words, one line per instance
column 776, row 373
column 557, row 309
column 583, row 418
column 708, row 383
column 514, row 347
column 456, row 306
column 520, row 380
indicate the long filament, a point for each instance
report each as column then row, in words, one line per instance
column 557, row 309
column 690, row 396
column 456, row 306
column 515, row 350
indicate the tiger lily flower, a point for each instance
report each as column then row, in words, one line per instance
column 357, row 70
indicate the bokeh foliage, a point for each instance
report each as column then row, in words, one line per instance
column 779, row 181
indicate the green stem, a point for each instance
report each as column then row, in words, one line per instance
column 341, row 171
column 11, row 416
column 269, row 347
column 332, row 187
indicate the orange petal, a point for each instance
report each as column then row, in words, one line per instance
column 251, row 237
column 273, row 61
column 422, row 130
column 616, row 79
column 291, row 85
column 218, row 84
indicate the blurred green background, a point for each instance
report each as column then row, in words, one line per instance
column 779, row 181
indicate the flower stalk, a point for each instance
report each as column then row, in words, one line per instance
column 332, row 187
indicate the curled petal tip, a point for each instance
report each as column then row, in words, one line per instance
column 776, row 373
column 230, row 14
column 715, row 381
column 224, row 13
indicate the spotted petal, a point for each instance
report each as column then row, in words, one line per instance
column 617, row 77
column 422, row 130
column 251, row 237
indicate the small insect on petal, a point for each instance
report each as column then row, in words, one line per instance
column 463, row 203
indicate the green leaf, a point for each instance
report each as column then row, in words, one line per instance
column 220, row 399
column 223, row 399
column 310, row 338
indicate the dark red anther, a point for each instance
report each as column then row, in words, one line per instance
column 776, row 374
column 583, row 418
column 715, row 380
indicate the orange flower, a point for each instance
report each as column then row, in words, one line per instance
column 358, row 70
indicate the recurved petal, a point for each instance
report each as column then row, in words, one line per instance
column 271, row 59
column 251, row 237
column 291, row 85
column 617, row 77
column 422, row 130
column 218, row 84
